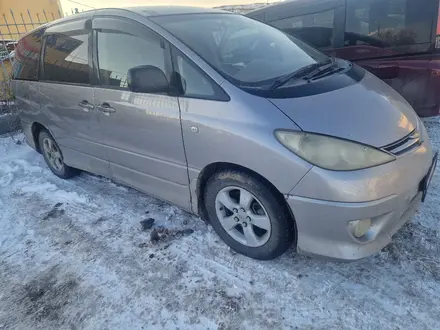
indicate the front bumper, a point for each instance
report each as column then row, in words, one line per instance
column 325, row 202
column 324, row 230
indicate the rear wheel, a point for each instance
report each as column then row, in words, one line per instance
column 248, row 215
column 53, row 156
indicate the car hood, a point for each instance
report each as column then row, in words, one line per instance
column 369, row 112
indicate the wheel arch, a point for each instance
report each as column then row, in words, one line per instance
column 36, row 128
column 213, row 168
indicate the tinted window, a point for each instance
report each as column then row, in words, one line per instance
column 66, row 58
column 27, row 56
column 118, row 52
column 315, row 29
column 245, row 51
column 195, row 82
column 388, row 23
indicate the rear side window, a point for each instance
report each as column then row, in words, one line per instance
column 27, row 56
column 389, row 23
column 315, row 29
column 66, row 58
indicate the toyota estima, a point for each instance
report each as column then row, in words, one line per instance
column 270, row 140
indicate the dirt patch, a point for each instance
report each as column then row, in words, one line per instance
column 231, row 303
column 56, row 212
column 165, row 235
column 147, row 224
column 45, row 297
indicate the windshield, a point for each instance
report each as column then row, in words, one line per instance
column 246, row 52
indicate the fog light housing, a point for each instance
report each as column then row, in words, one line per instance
column 360, row 227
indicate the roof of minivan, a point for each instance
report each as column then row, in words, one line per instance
column 172, row 10
column 148, row 11
column 142, row 10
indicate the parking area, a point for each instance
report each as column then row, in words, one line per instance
column 74, row 255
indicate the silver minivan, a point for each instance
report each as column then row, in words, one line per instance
column 271, row 141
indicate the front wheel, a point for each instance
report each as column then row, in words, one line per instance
column 248, row 215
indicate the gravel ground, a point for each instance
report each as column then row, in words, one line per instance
column 73, row 255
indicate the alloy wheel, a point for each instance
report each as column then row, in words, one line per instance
column 53, row 154
column 243, row 216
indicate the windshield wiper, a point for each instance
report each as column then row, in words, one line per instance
column 323, row 71
column 304, row 72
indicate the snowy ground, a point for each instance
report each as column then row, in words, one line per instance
column 73, row 256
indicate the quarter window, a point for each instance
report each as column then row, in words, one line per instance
column 315, row 29
column 389, row 23
column 194, row 82
column 66, row 58
column 27, row 56
column 118, row 52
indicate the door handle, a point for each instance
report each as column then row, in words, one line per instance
column 106, row 108
column 85, row 105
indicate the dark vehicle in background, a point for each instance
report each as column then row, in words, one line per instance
column 397, row 40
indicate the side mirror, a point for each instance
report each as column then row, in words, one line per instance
column 147, row 79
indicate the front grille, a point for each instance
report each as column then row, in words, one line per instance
column 410, row 142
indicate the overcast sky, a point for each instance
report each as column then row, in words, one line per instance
column 69, row 5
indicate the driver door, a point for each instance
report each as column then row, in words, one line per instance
column 142, row 132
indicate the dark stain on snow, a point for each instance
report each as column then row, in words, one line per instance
column 46, row 296
column 56, row 212
column 147, row 224
column 165, row 234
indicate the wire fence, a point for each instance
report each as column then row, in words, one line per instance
column 15, row 24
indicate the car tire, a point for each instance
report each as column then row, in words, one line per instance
column 275, row 238
column 53, row 156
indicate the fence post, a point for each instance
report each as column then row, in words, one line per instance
column 30, row 18
column 4, row 85
column 24, row 24
column 1, row 60
column 45, row 16
column 7, row 24
column 16, row 26
column 3, row 41
column 38, row 18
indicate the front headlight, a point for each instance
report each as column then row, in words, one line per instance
column 332, row 153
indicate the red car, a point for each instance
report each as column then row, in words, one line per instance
column 397, row 40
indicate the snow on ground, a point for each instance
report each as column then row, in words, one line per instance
column 73, row 256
